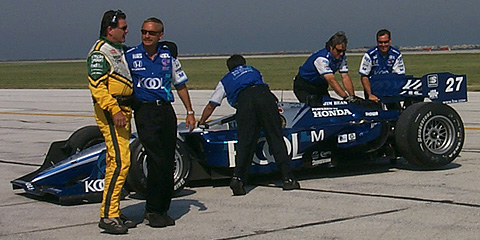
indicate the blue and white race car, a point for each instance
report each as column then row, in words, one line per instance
column 414, row 123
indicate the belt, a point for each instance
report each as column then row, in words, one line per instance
column 156, row 102
column 124, row 100
column 257, row 86
column 121, row 100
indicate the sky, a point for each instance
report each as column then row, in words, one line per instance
column 66, row 29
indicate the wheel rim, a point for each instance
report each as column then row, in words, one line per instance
column 143, row 156
column 439, row 134
column 177, row 166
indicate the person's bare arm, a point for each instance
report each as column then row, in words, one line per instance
column 207, row 112
column 335, row 85
column 347, row 83
column 185, row 97
column 366, row 86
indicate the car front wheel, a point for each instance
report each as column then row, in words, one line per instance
column 137, row 177
column 83, row 138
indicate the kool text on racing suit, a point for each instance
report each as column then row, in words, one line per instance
column 257, row 109
column 155, row 117
column 111, row 86
column 310, row 79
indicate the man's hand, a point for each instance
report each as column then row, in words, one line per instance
column 119, row 120
column 190, row 122
column 372, row 97
column 352, row 99
column 202, row 125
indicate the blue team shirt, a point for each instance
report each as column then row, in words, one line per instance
column 373, row 62
column 320, row 63
column 152, row 79
column 234, row 82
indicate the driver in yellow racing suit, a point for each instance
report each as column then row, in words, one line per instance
column 111, row 86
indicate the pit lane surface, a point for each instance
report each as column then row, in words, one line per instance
column 371, row 201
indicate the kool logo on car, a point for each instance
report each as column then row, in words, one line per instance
column 96, row 185
column 264, row 157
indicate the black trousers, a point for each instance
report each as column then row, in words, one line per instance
column 257, row 109
column 157, row 130
column 302, row 89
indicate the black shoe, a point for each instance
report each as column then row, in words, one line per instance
column 127, row 222
column 290, row 184
column 112, row 225
column 237, row 187
column 169, row 220
column 155, row 220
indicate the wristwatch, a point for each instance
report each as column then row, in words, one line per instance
column 190, row 112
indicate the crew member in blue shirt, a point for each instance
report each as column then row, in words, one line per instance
column 154, row 68
column 381, row 59
column 317, row 73
column 256, row 106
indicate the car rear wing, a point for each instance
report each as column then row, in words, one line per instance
column 438, row 87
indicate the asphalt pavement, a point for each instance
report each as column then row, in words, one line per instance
column 372, row 201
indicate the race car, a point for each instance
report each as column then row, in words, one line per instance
column 413, row 121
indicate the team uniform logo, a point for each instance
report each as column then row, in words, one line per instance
column 150, row 83
column 137, row 64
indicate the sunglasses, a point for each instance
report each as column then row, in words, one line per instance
column 340, row 50
column 144, row 32
column 384, row 42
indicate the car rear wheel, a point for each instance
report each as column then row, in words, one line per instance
column 429, row 134
column 137, row 177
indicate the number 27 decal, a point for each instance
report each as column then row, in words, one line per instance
column 454, row 84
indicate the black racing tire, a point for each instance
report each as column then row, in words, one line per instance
column 83, row 138
column 137, row 176
column 429, row 134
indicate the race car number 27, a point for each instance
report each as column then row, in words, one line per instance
column 453, row 85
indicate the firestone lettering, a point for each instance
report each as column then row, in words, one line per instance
column 420, row 126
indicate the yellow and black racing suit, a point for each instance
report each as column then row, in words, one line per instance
column 111, row 86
